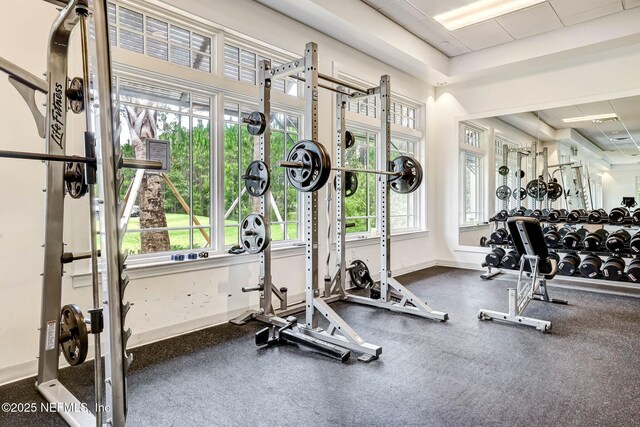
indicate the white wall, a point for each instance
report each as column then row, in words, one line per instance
column 568, row 81
column 170, row 303
column 616, row 184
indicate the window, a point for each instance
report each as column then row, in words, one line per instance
column 365, row 106
column 403, row 115
column 472, row 187
column 151, row 36
column 239, row 151
column 404, row 207
column 360, row 208
column 242, row 65
column 174, row 208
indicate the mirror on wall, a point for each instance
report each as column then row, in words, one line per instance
column 591, row 153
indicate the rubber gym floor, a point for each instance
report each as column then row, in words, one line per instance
column 464, row 372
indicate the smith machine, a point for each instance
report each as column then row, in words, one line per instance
column 308, row 167
column 66, row 330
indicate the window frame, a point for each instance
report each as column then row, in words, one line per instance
column 478, row 152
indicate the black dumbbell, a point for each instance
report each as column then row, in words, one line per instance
column 634, row 243
column 501, row 216
column 613, row 268
column 545, row 212
column 548, row 228
column 597, row 216
column 536, row 213
column 499, row 236
column 617, row 240
column 633, row 272
column 635, row 216
column 511, row 260
column 495, row 257
column 554, row 256
column 521, row 211
column 552, row 237
column 569, row 264
column 618, row 215
column 593, row 241
column 572, row 239
column 590, row 266
column 576, row 215
column 554, row 216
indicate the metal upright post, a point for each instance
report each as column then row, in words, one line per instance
column 265, row 199
column 383, row 187
column 341, row 227
column 111, row 259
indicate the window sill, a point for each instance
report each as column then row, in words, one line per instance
column 471, row 227
column 167, row 267
column 370, row 240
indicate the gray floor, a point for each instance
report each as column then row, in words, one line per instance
column 460, row 373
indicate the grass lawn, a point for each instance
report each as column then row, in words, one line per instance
column 180, row 238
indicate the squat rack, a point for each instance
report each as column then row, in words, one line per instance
column 393, row 295
column 338, row 333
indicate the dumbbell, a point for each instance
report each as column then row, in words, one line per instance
column 593, row 241
column 635, row 216
column 575, row 215
column 501, row 216
column 551, row 236
column 613, row 268
column 554, row 216
column 617, row 240
column 494, row 258
column 545, row 212
column 618, row 215
column 569, row 264
column 536, row 213
column 590, row 266
column 597, row 216
column 499, row 236
column 634, row 243
column 572, row 239
column 554, row 256
column 633, row 272
column 511, row 260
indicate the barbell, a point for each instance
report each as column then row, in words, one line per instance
column 308, row 167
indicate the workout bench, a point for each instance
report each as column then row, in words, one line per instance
column 536, row 267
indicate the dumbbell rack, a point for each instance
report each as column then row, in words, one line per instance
column 626, row 253
column 338, row 332
column 393, row 295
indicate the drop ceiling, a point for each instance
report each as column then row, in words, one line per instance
column 417, row 17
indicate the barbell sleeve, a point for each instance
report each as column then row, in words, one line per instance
column 252, row 288
column 126, row 163
column 290, row 165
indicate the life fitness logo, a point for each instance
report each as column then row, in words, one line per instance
column 56, row 130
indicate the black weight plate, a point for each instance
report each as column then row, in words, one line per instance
column 483, row 241
column 519, row 173
column 503, row 170
column 257, row 123
column 554, row 191
column 411, row 175
column 536, row 189
column 254, row 233
column 349, row 139
column 503, row 192
column 519, row 194
column 257, row 178
column 316, row 166
column 74, row 337
column 74, row 179
column 350, row 184
column 360, row 275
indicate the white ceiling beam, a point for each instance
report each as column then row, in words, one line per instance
column 571, row 138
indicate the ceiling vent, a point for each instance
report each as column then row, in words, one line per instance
column 620, row 139
column 608, row 119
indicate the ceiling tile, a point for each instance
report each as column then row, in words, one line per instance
column 379, row 4
column 432, row 8
column 482, row 35
column 402, row 13
column 575, row 11
column 629, row 4
column 437, row 36
column 530, row 21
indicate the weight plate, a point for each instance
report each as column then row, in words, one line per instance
column 360, row 276
column 74, row 338
column 520, row 172
column 503, row 192
column 411, row 175
column 316, row 166
column 74, row 179
column 349, row 139
column 503, row 170
column 536, row 189
column 349, row 185
column 519, row 194
column 257, row 178
column 254, row 234
column 76, row 104
column 554, row 191
column 257, row 123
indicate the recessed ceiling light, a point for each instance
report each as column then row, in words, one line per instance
column 441, row 83
column 613, row 116
column 479, row 11
column 619, row 139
